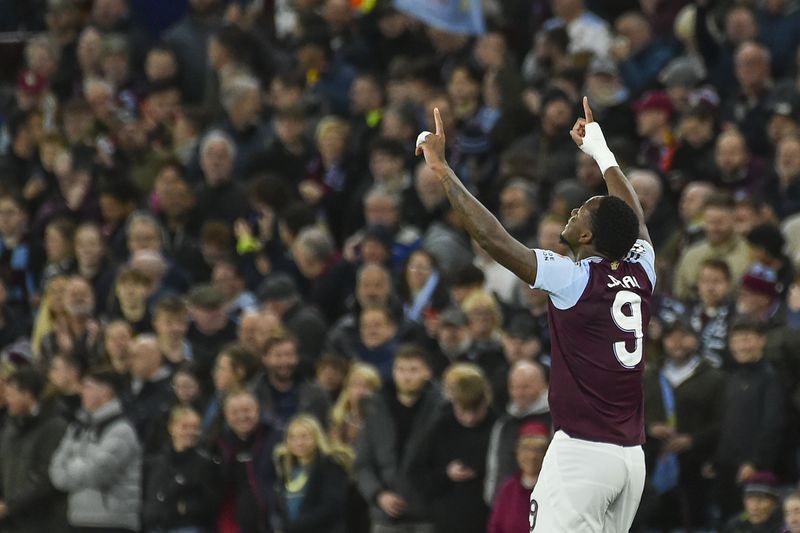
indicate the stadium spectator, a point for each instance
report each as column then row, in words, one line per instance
column 98, row 462
column 514, row 494
column 527, row 390
column 396, row 425
column 761, row 500
column 29, row 501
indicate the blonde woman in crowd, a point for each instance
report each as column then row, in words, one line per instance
column 312, row 480
column 347, row 414
column 52, row 310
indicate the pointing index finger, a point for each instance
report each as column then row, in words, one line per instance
column 437, row 118
column 587, row 110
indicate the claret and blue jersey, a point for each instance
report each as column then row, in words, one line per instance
column 599, row 311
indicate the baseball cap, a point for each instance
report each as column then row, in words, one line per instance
column 277, row 287
column 380, row 233
column 682, row 72
column 653, row 100
column 453, row 316
column 761, row 279
column 787, row 106
column 206, row 297
column 106, row 376
column 30, row 82
column 763, row 483
column 534, row 431
column 603, row 65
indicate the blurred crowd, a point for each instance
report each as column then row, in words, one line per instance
column 233, row 300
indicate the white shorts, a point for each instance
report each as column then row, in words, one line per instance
column 587, row 487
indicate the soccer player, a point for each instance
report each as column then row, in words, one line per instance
column 599, row 308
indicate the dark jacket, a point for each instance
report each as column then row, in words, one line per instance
column 457, row 507
column 699, row 409
column 740, row 524
column 378, row 466
column 151, row 403
column 311, row 399
column 323, row 508
column 181, row 490
column 753, row 419
column 248, row 477
column 34, row 505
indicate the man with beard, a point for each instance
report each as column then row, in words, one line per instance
column 281, row 392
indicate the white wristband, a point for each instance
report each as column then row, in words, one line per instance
column 605, row 160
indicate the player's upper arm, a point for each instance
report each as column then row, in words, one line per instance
column 560, row 276
column 513, row 255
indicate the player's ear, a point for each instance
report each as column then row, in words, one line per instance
column 585, row 237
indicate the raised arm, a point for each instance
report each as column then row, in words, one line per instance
column 479, row 222
column 589, row 137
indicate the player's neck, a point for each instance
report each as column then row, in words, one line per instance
column 584, row 252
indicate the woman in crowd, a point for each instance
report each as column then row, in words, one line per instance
column 511, row 506
column 421, row 286
column 312, row 481
column 234, row 368
column 347, row 414
column 181, row 483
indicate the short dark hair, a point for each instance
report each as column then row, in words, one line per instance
column 717, row 264
column 615, row 227
column 28, row 380
column 746, row 324
column 720, row 200
column 412, row 351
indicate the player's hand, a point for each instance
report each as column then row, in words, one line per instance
column 433, row 145
column 589, row 138
column 391, row 503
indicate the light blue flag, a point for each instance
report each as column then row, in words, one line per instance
column 455, row 16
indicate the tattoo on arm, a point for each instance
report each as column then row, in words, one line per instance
column 487, row 231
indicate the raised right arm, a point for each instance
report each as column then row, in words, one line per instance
column 481, row 224
column 589, row 137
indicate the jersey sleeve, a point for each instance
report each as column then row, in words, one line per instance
column 561, row 277
column 644, row 254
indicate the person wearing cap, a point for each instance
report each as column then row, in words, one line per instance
column 653, row 114
column 639, row 53
column 99, row 461
column 511, row 506
column 784, row 116
column 759, row 297
column 753, row 421
column 767, row 248
column 683, row 420
column 453, row 457
column 527, row 390
column 610, row 98
column 679, row 78
column 210, row 330
column 278, row 294
column 29, row 503
column 762, row 511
